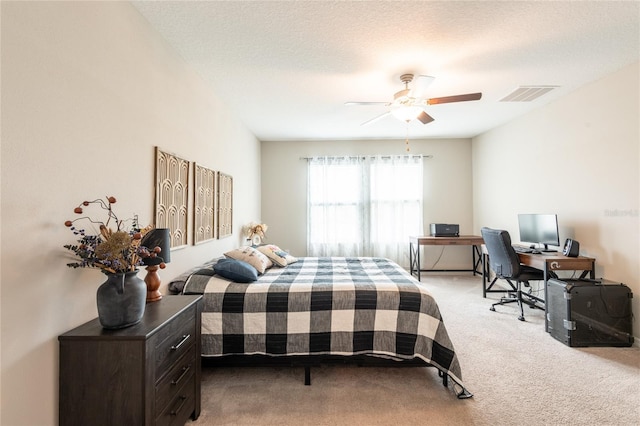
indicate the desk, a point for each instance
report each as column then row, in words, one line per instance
column 549, row 262
column 559, row 262
column 463, row 240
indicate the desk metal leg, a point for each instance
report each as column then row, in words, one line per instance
column 477, row 259
column 414, row 259
column 418, row 267
column 473, row 259
column 489, row 288
column 411, row 258
column 546, row 312
column 485, row 276
column 591, row 272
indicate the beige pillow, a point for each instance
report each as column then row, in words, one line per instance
column 277, row 255
column 252, row 256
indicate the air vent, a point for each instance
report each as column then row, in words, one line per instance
column 527, row 93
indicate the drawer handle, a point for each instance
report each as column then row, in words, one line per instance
column 182, row 342
column 185, row 370
column 177, row 410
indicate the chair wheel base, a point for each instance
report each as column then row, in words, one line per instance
column 492, row 309
column 521, row 318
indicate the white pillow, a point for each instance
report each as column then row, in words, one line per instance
column 277, row 255
column 252, row 256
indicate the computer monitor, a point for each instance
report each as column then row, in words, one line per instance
column 539, row 229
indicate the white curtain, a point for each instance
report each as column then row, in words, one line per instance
column 364, row 206
column 335, row 204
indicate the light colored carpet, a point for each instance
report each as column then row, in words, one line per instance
column 518, row 373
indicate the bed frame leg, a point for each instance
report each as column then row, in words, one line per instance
column 445, row 378
column 307, row 375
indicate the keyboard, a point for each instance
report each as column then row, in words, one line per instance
column 520, row 249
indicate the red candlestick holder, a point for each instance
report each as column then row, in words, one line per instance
column 153, row 283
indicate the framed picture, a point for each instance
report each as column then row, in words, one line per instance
column 225, row 205
column 172, row 194
column 204, row 198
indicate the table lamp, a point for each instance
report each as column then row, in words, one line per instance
column 158, row 237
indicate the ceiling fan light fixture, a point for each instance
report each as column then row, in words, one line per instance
column 410, row 104
column 406, row 112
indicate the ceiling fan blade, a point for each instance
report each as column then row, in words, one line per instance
column 425, row 118
column 456, row 98
column 374, row 119
column 366, row 103
column 420, row 85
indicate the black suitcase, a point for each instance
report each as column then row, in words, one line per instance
column 583, row 312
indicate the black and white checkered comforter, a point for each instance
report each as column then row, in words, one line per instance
column 327, row 306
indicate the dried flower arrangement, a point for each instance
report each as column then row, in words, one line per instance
column 256, row 229
column 108, row 250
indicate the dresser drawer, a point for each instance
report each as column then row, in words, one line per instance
column 177, row 412
column 182, row 372
column 174, row 340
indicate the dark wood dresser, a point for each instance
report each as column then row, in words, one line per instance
column 146, row 374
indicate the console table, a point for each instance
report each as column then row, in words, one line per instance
column 475, row 241
column 146, row 374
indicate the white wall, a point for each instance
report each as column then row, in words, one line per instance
column 447, row 188
column 88, row 90
column 578, row 157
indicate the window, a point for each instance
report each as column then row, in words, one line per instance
column 364, row 206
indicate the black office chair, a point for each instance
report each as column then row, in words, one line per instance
column 504, row 261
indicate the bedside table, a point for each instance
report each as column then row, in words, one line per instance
column 147, row 374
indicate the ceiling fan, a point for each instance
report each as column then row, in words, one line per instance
column 409, row 104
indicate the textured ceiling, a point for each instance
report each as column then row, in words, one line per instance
column 287, row 68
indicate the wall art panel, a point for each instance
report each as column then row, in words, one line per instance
column 225, row 205
column 204, row 217
column 172, row 194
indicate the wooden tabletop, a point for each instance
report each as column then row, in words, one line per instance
column 557, row 261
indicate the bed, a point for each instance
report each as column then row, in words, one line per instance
column 321, row 308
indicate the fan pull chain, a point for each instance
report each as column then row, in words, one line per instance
column 406, row 142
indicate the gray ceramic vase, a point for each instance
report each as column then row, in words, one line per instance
column 121, row 300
